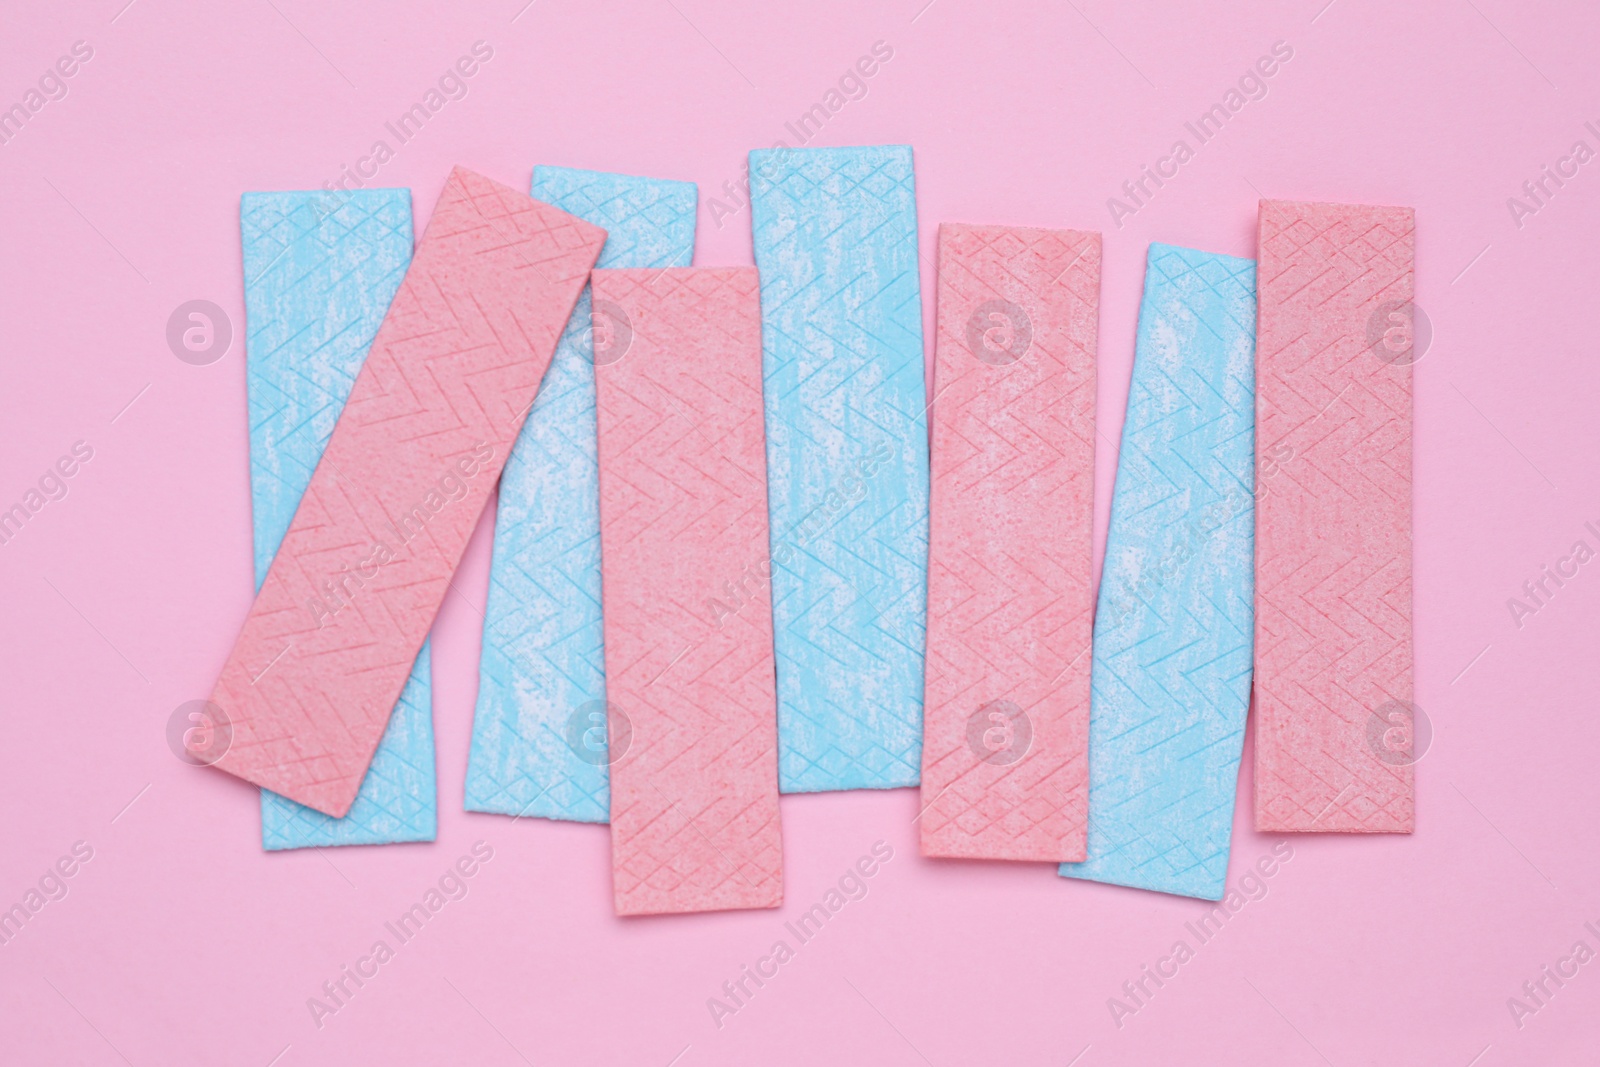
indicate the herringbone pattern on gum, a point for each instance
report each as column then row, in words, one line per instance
column 1333, row 526
column 1010, row 595
column 683, row 505
column 835, row 235
column 1173, row 629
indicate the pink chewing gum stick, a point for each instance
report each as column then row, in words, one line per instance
column 1333, row 662
column 685, row 566
column 1010, row 588
column 349, row 599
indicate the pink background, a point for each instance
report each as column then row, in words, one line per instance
column 182, row 943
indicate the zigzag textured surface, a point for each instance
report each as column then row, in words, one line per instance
column 1172, row 640
column 847, row 452
column 320, row 272
column 1010, row 594
column 536, row 750
column 694, row 791
column 331, row 639
column 1333, row 521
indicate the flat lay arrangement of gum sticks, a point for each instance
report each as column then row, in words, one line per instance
column 741, row 550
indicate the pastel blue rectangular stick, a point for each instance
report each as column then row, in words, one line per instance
column 320, row 270
column 847, row 463
column 1174, row 627
column 539, row 733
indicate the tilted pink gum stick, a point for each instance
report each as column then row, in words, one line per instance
column 685, row 581
column 1333, row 669
column 1010, row 583
column 329, row 642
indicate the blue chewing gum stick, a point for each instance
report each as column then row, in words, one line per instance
column 1174, row 627
column 320, row 269
column 539, row 733
column 835, row 234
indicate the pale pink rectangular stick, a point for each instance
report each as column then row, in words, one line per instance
column 1010, row 588
column 329, row 642
column 1333, row 519
column 688, row 617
